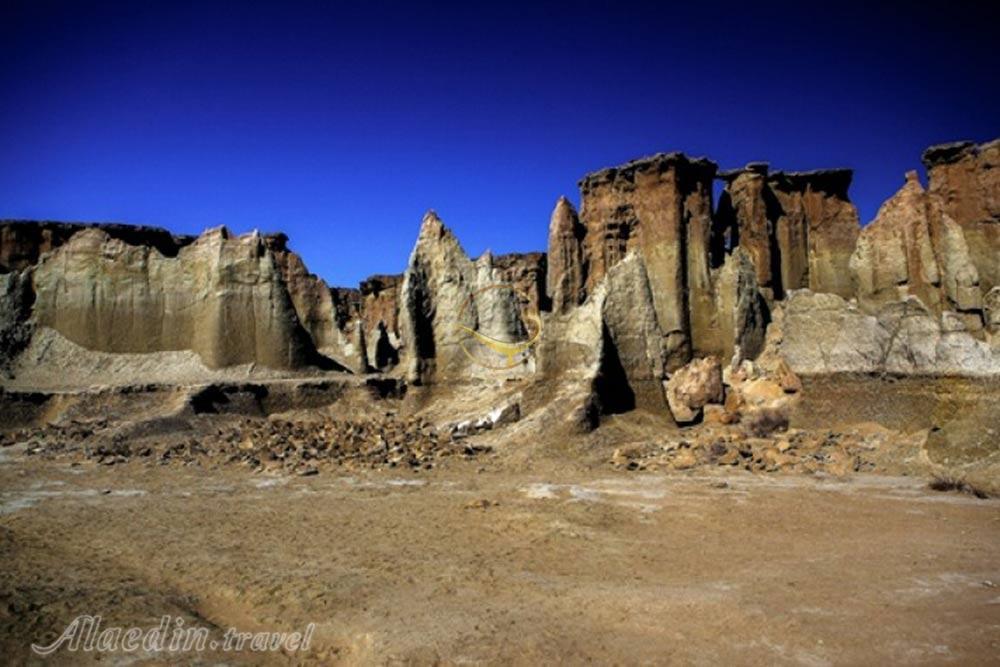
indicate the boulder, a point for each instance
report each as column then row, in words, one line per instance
column 692, row 387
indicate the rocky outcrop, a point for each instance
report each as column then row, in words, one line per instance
column 799, row 228
column 23, row 242
column 744, row 219
column 915, row 249
column 662, row 207
column 741, row 314
column 823, row 334
column 965, row 179
column 456, row 315
column 566, row 275
column 16, row 300
column 222, row 297
column 991, row 307
column 778, row 282
column 309, row 293
column 633, row 361
column 526, row 272
column 379, row 309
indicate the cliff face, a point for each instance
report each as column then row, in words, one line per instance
column 662, row 207
column 23, row 242
column 221, row 297
column 647, row 276
column 914, row 248
column 379, row 310
column 965, row 179
column 566, row 270
column 310, row 295
column 446, row 296
column 798, row 227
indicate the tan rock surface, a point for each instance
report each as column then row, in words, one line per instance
column 692, row 387
column 799, row 228
column 661, row 206
column 914, row 248
column 565, row 279
column 823, row 334
column 965, row 179
column 445, row 295
column 222, row 297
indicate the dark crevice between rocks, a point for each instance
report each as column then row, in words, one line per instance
column 611, row 384
column 773, row 211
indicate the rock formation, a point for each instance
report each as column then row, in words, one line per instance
column 914, row 248
column 23, row 242
column 694, row 386
column 379, row 309
column 309, row 293
column 965, row 179
column 662, row 207
column 566, row 275
column 798, row 227
column 221, row 297
column 822, row 334
column 445, row 297
column 741, row 314
column 16, row 298
column 776, row 283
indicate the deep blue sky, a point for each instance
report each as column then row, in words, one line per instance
column 342, row 124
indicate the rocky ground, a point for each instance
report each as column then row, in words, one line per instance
column 410, row 543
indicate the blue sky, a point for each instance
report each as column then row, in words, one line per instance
column 340, row 124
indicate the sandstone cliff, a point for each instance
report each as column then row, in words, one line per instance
column 221, row 297
column 914, row 248
column 23, row 242
column 822, row 334
column 646, row 277
column 965, row 179
column 662, row 207
column 798, row 227
column 445, row 297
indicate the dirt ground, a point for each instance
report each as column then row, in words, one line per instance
column 482, row 563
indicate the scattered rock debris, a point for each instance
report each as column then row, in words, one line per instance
column 301, row 448
column 834, row 453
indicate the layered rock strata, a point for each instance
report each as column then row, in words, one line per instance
column 221, row 296
column 23, row 242
column 913, row 248
column 662, row 207
column 798, row 227
column 965, row 179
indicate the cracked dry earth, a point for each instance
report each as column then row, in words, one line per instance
column 478, row 564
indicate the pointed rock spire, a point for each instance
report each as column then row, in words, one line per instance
column 565, row 259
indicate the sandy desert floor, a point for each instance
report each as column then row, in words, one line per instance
column 481, row 564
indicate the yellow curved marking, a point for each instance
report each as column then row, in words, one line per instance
column 502, row 347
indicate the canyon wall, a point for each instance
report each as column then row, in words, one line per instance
column 646, row 277
column 221, row 296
